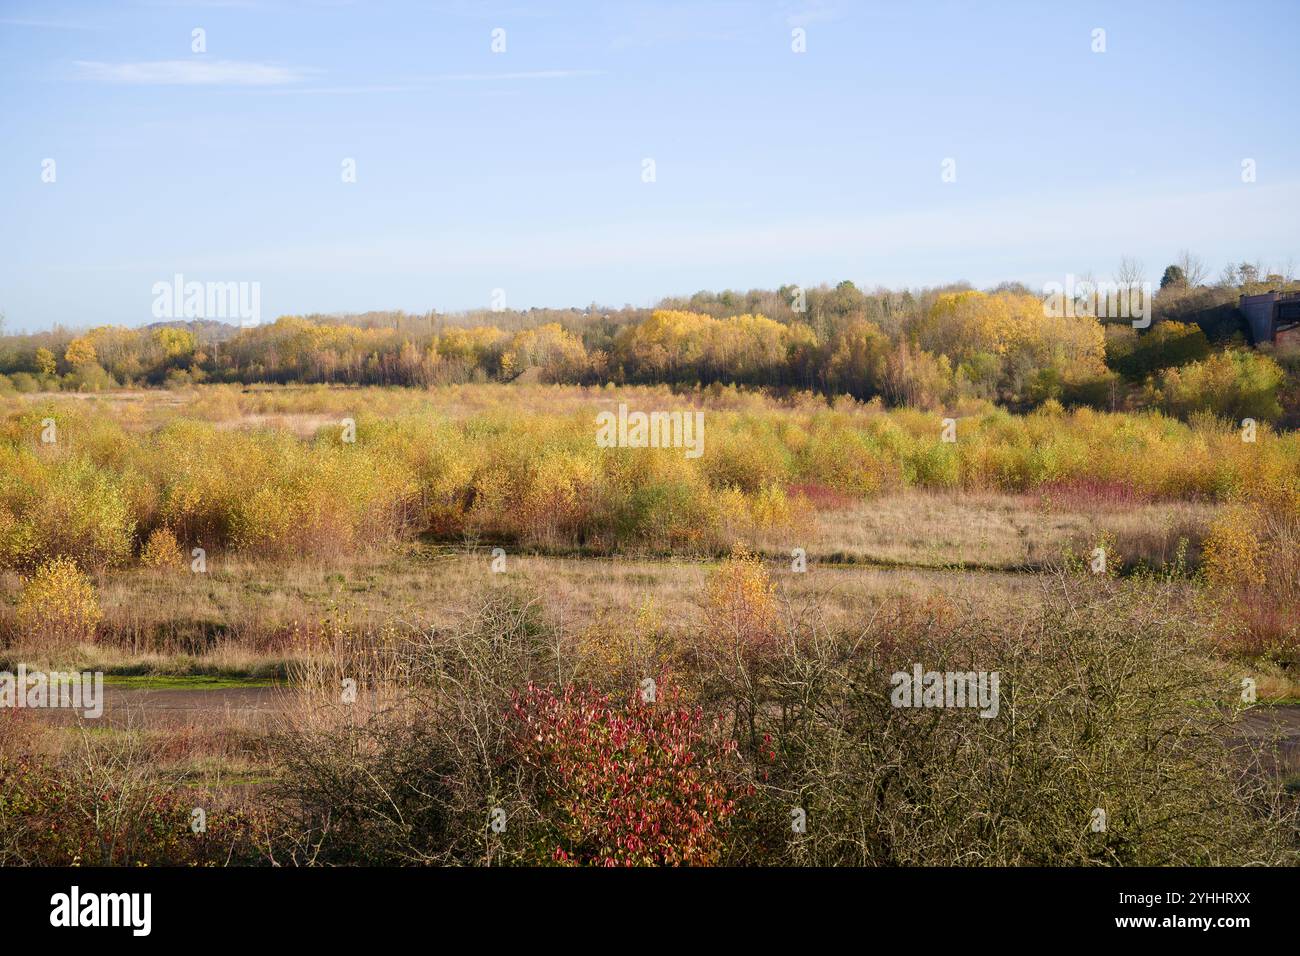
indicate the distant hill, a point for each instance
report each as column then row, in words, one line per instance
column 205, row 330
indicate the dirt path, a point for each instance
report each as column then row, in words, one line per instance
column 144, row 708
column 259, row 705
column 1266, row 724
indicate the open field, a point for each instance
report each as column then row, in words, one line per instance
column 912, row 543
column 473, row 560
column 252, row 619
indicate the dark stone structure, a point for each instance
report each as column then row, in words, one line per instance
column 1272, row 316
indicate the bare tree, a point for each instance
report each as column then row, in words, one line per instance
column 1194, row 269
column 1130, row 273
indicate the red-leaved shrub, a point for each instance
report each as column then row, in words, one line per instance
column 641, row 784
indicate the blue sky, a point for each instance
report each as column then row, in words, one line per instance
column 522, row 170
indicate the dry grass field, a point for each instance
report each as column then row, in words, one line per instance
column 419, row 577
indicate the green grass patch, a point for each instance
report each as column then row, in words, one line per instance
column 184, row 681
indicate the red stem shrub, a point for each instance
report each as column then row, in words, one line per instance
column 641, row 784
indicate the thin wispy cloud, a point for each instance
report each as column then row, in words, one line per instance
column 814, row 11
column 347, row 90
column 425, row 84
column 36, row 24
column 215, row 4
column 1021, row 229
column 196, row 72
column 673, row 24
column 476, row 9
column 526, row 75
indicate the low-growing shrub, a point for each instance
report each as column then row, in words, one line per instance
column 537, row 478
column 1108, row 744
column 1252, row 561
column 161, row 551
column 642, row 784
column 1103, row 735
column 58, row 606
column 104, row 803
column 412, row 770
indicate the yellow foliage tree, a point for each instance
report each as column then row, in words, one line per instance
column 161, row 551
column 1233, row 552
column 559, row 355
column 740, row 603
column 80, row 352
column 45, row 361
column 175, row 342
column 58, row 605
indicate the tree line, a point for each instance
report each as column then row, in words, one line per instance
column 925, row 348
